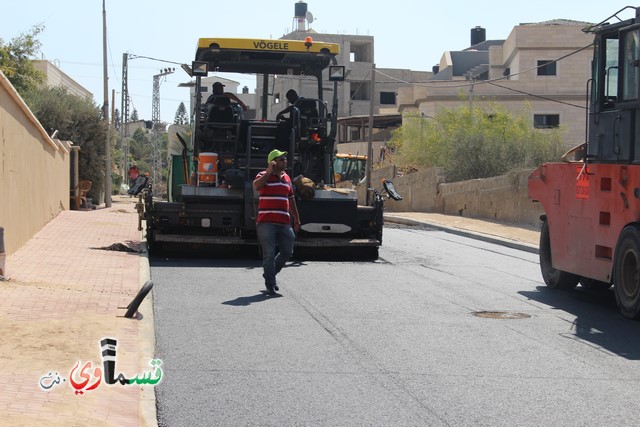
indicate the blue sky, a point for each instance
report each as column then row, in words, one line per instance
column 407, row 33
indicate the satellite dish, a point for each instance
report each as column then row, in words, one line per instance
column 309, row 17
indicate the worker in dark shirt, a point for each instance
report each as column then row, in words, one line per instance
column 218, row 90
column 292, row 97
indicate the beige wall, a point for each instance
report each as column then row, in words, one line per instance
column 34, row 171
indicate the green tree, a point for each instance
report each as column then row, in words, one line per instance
column 16, row 60
column 141, row 150
column 134, row 116
column 181, row 115
column 79, row 120
column 473, row 142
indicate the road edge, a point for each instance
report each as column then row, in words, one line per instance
column 466, row 233
column 146, row 342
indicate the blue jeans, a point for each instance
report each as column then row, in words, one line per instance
column 272, row 236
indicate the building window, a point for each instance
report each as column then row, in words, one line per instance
column 360, row 91
column 546, row 68
column 361, row 52
column 546, row 121
column 387, row 98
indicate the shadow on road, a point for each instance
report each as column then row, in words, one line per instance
column 203, row 261
column 245, row 301
column 597, row 322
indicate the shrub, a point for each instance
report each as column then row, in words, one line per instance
column 473, row 142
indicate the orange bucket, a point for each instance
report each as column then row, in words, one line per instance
column 207, row 169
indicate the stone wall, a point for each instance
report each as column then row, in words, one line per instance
column 501, row 198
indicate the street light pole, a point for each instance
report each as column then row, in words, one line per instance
column 124, row 114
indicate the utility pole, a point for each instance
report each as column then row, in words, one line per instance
column 155, row 118
column 107, row 143
column 124, row 114
column 372, row 92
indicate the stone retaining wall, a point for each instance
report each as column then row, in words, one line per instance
column 501, row 198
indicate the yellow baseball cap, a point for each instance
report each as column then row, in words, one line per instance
column 275, row 154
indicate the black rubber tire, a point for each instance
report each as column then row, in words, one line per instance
column 626, row 273
column 555, row 279
column 593, row 284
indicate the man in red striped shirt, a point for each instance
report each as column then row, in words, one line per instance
column 276, row 205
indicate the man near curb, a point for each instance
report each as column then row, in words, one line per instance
column 276, row 205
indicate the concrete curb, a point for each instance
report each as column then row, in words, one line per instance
column 466, row 233
column 147, row 341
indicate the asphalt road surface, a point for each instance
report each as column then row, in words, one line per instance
column 442, row 330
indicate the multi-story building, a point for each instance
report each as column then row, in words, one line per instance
column 540, row 71
column 357, row 55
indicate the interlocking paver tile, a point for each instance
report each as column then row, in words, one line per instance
column 61, row 299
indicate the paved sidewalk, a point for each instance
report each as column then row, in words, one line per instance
column 518, row 236
column 61, row 298
column 63, row 295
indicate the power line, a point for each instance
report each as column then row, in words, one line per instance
column 112, row 61
column 538, row 96
column 132, row 56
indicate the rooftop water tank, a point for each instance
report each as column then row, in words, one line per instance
column 300, row 9
column 478, row 35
